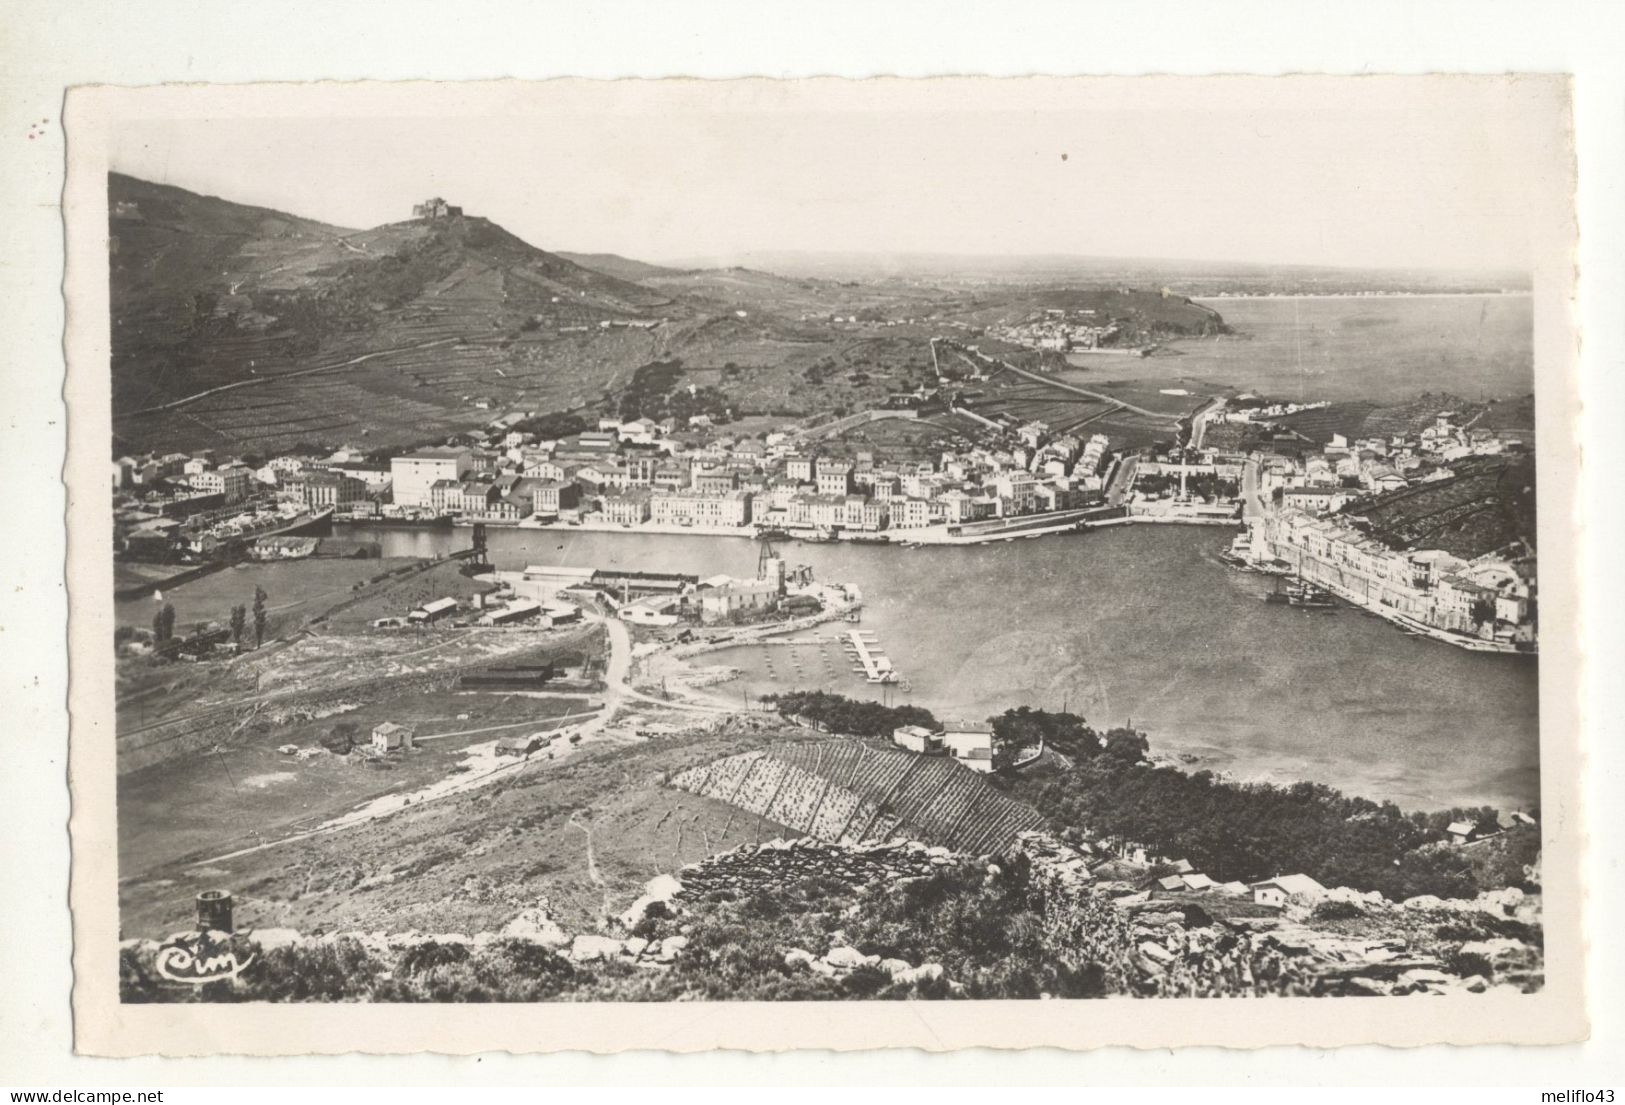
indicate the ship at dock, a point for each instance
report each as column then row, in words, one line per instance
column 397, row 521
column 209, row 535
column 1301, row 594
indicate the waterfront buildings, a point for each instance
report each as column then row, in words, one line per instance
column 231, row 483
column 1490, row 599
column 415, row 474
column 702, row 509
column 324, row 489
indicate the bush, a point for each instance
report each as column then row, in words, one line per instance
column 848, row 715
column 1336, row 911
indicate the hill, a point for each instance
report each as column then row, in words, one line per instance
column 1488, row 505
column 438, row 323
column 621, row 268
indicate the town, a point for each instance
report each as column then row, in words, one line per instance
column 1315, row 503
column 519, row 624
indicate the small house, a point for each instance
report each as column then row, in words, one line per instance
column 518, row 746
column 431, row 612
column 916, row 738
column 1171, row 883
column 518, row 611
column 1284, row 888
column 1463, row 832
column 1198, row 882
column 390, row 737
column 971, row 743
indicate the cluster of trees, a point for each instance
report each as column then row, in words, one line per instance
column 1204, row 485
column 1019, row 730
column 552, row 426
column 163, row 621
column 857, row 717
column 654, row 393
column 1256, row 830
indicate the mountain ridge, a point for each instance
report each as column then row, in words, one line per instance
column 207, row 293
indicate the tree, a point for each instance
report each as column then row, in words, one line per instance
column 260, row 616
column 1015, row 731
column 239, row 622
column 163, row 623
column 1126, row 744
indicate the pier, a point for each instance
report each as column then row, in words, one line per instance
column 871, row 662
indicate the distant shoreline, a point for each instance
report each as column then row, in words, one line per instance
column 1365, row 295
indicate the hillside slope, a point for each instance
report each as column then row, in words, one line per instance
column 389, row 331
column 622, row 268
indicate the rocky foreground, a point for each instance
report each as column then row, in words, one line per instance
column 806, row 918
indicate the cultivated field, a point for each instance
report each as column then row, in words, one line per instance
column 584, row 832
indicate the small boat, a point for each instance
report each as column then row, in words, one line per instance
column 1237, row 555
column 1301, row 594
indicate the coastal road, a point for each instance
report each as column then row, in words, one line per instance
column 617, row 688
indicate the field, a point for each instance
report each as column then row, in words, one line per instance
column 247, row 792
column 583, row 832
column 295, row 590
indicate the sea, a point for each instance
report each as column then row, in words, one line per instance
column 1132, row 625
column 1381, row 348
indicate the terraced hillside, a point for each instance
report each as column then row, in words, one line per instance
column 1488, row 505
column 247, row 329
column 846, row 792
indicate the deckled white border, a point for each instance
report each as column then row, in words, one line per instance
column 106, row 1027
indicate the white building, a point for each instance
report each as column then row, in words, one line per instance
column 389, row 737
column 916, row 738
column 414, row 474
column 232, row 483
column 970, row 742
column 1284, row 888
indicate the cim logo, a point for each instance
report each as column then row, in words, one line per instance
column 196, row 957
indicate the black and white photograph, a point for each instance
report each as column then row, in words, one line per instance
column 872, row 542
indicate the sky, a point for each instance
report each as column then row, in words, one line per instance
column 1429, row 173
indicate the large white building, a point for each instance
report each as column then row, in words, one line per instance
column 695, row 508
column 414, row 474
column 232, row 483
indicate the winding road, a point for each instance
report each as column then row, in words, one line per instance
column 175, row 404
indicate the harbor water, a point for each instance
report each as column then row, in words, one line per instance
column 1135, row 623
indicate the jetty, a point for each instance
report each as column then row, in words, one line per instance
column 873, row 664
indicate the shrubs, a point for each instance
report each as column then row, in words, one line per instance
column 1336, row 911
column 849, row 715
column 1251, row 831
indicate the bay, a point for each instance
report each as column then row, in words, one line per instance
column 1135, row 623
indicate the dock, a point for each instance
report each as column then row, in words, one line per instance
column 873, row 664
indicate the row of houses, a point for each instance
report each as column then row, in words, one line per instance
column 1487, row 597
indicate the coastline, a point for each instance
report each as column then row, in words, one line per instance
column 1204, row 299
